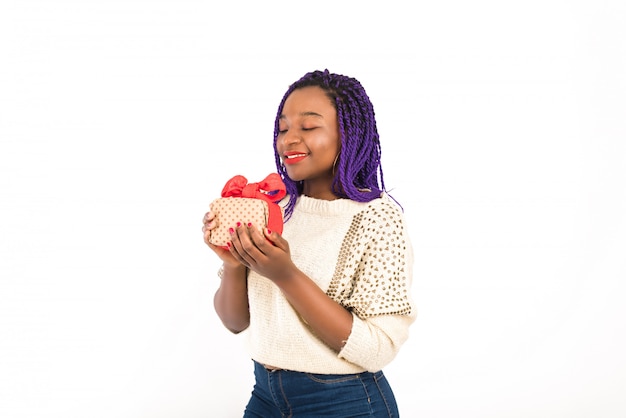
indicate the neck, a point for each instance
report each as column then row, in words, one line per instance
column 317, row 190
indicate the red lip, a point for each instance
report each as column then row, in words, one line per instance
column 293, row 157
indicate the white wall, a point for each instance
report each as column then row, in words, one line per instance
column 503, row 135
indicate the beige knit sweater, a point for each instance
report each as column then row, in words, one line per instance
column 361, row 256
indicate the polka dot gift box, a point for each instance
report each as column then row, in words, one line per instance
column 255, row 203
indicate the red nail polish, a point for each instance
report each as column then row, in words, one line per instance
column 269, row 231
column 231, row 230
column 238, row 224
column 249, row 224
column 229, row 244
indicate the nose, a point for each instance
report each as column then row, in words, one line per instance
column 290, row 137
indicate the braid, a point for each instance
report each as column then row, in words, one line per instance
column 358, row 174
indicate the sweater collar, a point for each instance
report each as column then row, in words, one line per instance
column 330, row 207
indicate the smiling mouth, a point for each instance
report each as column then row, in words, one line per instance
column 293, row 158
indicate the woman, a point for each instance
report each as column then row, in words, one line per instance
column 327, row 304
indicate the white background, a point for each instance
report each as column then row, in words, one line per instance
column 503, row 133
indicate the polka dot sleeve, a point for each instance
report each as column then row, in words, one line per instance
column 372, row 276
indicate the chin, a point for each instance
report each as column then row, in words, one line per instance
column 294, row 176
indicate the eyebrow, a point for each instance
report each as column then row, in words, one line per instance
column 304, row 114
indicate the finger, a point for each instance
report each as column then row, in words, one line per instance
column 207, row 228
column 276, row 239
column 208, row 217
column 209, row 222
column 235, row 253
column 244, row 244
column 259, row 239
column 236, row 246
column 206, row 235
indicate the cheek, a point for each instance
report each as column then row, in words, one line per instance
column 328, row 141
column 334, row 148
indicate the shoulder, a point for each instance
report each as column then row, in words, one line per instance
column 383, row 210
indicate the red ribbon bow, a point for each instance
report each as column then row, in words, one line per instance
column 271, row 188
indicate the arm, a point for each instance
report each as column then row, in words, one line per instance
column 381, row 260
column 231, row 298
column 330, row 321
column 375, row 342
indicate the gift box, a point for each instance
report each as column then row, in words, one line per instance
column 255, row 203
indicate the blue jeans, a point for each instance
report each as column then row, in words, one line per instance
column 283, row 394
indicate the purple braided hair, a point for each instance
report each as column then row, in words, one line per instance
column 359, row 174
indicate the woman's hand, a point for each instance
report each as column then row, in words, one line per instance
column 266, row 254
column 209, row 223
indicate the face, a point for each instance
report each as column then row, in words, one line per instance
column 308, row 140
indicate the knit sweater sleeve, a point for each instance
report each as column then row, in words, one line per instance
column 373, row 280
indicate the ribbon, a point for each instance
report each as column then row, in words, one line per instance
column 271, row 188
